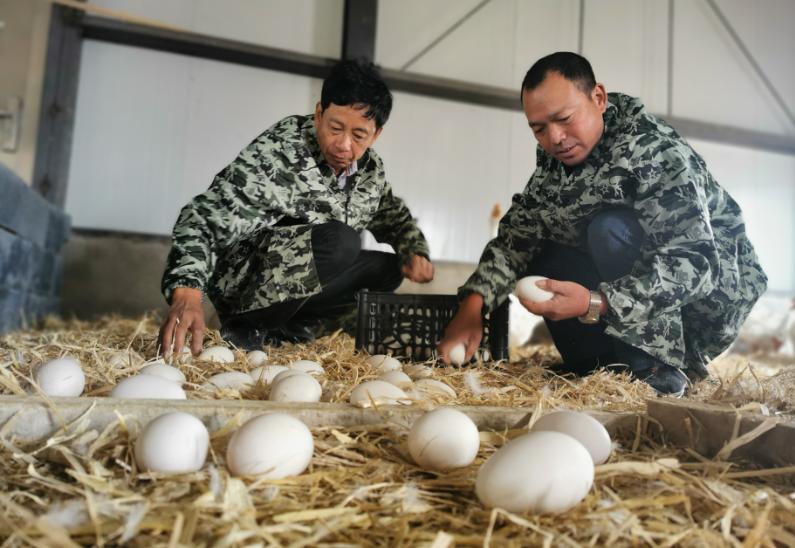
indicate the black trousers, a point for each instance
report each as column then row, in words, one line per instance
column 343, row 268
column 610, row 248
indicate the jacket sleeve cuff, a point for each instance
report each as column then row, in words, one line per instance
column 404, row 255
column 485, row 291
column 168, row 291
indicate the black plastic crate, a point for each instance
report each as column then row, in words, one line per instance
column 411, row 325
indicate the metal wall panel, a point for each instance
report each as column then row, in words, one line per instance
column 141, row 151
column 452, row 163
column 306, row 26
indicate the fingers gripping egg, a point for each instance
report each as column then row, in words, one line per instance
column 527, row 289
column 457, row 354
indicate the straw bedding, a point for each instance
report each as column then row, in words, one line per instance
column 82, row 487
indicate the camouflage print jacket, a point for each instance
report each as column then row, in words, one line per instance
column 698, row 275
column 246, row 241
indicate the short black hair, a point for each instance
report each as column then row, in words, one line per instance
column 573, row 67
column 358, row 83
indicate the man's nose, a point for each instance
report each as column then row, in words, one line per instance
column 345, row 143
column 558, row 135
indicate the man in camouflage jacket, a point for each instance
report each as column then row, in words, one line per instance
column 275, row 241
column 640, row 243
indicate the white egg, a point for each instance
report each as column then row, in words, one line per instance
column 272, row 446
column 444, row 439
column 538, row 472
column 62, row 377
column 284, row 374
column 160, row 369
column 303, row 388
column 256, row 357
column 432, row 387
column 217, row 354
column 172, row 443
column 382, row 363
column 458, row 354
column 266, row 373
column 236, row 380
column 378, row 393
column 307, row 366
column 527, row 289
column 124, row 358
column 417, row 371
column 580, row 426
column 147, row 387
column 398, row 378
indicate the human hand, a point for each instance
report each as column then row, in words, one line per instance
column 570, row 300
column 186, row 314
column 418, row 269
column 465, row 328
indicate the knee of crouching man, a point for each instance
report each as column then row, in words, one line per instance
column 614, row 231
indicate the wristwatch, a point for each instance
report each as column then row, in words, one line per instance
column 594, row 306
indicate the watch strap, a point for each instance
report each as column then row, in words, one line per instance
column 594, row 307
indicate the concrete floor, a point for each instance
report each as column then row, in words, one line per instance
column 113, row 273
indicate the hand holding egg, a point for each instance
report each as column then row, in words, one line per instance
column 527, row 289
column 457, row 354
column 559, row 301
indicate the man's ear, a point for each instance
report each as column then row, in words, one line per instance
column 376, row 134
column 318, row 112
column 599, row 96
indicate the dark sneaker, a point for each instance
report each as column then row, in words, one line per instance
column 666, row 380
column 587, row 366
column 244, row 337
column 291, row 332
column 247, row 337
